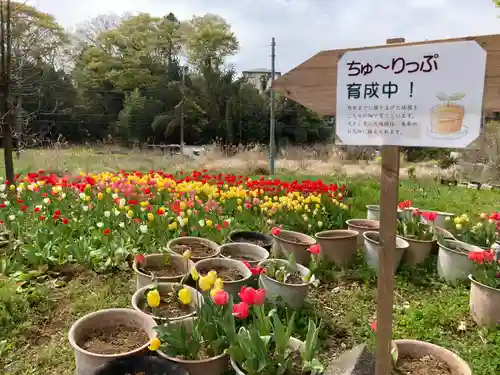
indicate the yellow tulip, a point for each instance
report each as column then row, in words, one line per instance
column 155, row 344
column 483, row 216
column 205, row 283
column 130, row 214
column 100, row 196
column 209, row 223
column 153, row 298
column 151, row 217
column 194, row 274
column 458, row 226
column 213, row 276
column 185, row 296
column 219, row 283
column 187, row 254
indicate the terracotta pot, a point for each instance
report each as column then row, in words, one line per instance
column 454, row 265
column 213, row 366
column 87, row 362
column 255, row 238
column 419, row 349
column 189, row 240
column 152, row 260
column 417, row 251
column 339, row 246
column 293, row 344
column 231, row 287
column 447, row 118
column 138, row 300
column 484, row 304
column 372, row 248
column 361, row 226
column 234, row 250
column 292, row 295
column 287, row 243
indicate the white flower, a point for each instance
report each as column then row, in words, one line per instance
column 100, row 225
column 3, row 196
column 46, row 200
column 143, row 228
column 201, row 223
column 122, row 202
column 6, row 203
column 3, row 187
column 116, row 212
column 82, row 196
column 179, row 220
column 121, row 225
column 85, row 208
column 114, row 195
column 12, row 217
column 107, row 214
column 63, row 195
column 320, row 224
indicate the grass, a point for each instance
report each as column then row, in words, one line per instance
column 35, row 318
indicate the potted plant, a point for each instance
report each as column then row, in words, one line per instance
column 440, row 219
column 453, row 263
column 164, row 267
column 290, row 242
column 485, row 287
column 361, row 226
column 233, row 273
column 199, row 248
column 339, row 245
column 255, row 238
column 372, row 249
column 411, row 357
column 244, row 252
column 419, row 235
column 106, row 335
column 287, row 281
column 167, row 301
column 199, row 344
column 481, row 232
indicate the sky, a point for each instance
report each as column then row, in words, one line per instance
column 303, row 28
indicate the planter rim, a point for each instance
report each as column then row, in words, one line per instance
column 455, row 251
column 375, row 207
column 265, row 253
column 437, row 347
column 355, row 223
column 440, row 212
column 405, row 243
column 292, row 232
column 191, row 361
column 414, row 240
column 471, row 278
column 300, row 267
column 264, row 235
column 165, row 278
column 138, row 292
column 94, row 315
column 211, row 243
column 240, row 265
column 347, row 233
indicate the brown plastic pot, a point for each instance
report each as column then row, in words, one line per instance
column 484, row 302
column 338, row 246
column 288, row 242
column 213, row 366
column 87, row 362
column 151, row 260
column 361, row 226
column 189, row 240
column 419, row 349
column 417, row 251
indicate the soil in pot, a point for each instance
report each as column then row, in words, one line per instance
column 426, row 365
column 115, row 339
column 225, row 273
column 198, row 249
column 294, row 278
column 252, row 241
column 241, row 258
column 292, row 238
column 170, row 306
column 165, row 270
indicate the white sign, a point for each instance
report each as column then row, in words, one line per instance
column 427, row 95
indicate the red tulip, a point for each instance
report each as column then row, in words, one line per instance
column 314, row 249
column 429, row 216
column 276, row 231
column 106, row 231
column 260, row 297
column 220, row 298
column 247, row 295
column 240, row 310
column 139, row 258
column 373, row 326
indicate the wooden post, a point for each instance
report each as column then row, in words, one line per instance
column 389, row 184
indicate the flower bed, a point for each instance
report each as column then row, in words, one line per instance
column 102, row 219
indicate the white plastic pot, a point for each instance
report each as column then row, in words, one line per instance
column 453, row 264
column 372, row 248
column 373, row 212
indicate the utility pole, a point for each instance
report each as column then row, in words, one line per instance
column 272, row 118
column 183, row 89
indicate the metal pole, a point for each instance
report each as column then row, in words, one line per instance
column 183, row 87
column 272, row 119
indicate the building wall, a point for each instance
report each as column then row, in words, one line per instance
column 255, row 78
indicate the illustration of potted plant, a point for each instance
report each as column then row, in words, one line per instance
column 447, row 117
